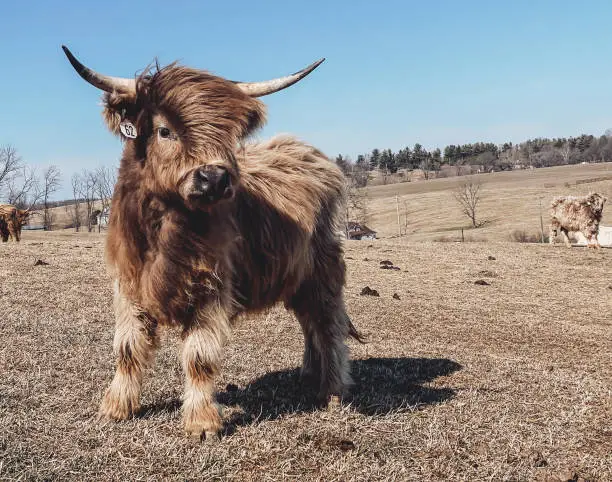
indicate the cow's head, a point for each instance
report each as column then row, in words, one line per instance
column 183, row 126
column 22, row 216
column 597, row 201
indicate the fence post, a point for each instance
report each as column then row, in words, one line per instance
column 541, row 222
column 399, row 225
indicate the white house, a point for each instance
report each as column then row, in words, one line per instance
column 102, row 218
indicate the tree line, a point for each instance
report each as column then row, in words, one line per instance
column 487, row 156
column 25, row 187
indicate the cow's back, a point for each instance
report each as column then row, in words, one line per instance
column 286, row 208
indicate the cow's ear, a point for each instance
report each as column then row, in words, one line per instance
column 255, row 119
column 117, row 108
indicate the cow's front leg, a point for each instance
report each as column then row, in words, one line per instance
column 202, row 349
column 591, row 235
column 134, row 344
column 566, row 238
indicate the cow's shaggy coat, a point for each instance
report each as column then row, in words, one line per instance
column 11, row 222
column 577, row 214
column 178, row 259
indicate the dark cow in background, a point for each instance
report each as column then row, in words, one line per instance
column 577, row 214
column 11, row 222
column 204, row 227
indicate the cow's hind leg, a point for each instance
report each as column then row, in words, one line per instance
column 135, row 340
column 202, row 348
column 326, row 326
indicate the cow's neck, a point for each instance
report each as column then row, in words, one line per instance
column 167, row 250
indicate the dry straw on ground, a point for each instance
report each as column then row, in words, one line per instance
column 510, row 381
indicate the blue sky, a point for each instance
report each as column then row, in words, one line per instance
column 397, row 72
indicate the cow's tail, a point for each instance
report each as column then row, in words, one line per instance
column 353, row 332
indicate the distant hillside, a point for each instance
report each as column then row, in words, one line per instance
column 428, row 211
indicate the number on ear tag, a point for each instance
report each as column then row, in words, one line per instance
column 128, row 129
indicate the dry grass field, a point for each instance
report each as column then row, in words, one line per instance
column 505, row 380
column 510, row 201
column 509, row 380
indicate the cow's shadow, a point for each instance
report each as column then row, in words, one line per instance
column 382, row 385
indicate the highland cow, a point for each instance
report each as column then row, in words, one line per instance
column 11, row 222
column 205, row 227
column 577, row 214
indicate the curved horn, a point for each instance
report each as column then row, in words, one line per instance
column 103, row 82
column 257, row 89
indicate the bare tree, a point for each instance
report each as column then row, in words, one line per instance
column 358, row 175
column 88, row 189
column 10, row 164
column 566, row 152
column 459, row 166
column 467, row 196
column 106, row 178
column 424, row 166
column 50, row 185
column 74, row 210
column 356, row 204
column 24, row 188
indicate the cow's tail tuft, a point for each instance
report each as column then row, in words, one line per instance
column 353, row 332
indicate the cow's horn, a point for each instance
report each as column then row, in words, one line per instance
column 257, row 89
column 103, row 82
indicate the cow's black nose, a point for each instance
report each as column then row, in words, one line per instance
column 212, row 182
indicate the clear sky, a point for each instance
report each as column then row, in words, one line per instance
column 397, row 72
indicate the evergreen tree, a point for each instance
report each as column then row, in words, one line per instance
column 374, row 159
column 344, row 164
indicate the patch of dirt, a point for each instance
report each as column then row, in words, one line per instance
column 367, row 291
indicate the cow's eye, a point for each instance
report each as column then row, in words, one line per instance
column 164, row 132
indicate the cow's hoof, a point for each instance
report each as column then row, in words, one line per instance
column 206, row 436
column 113, row 408
column 334, row 403
column 205, row 425
column 113, row 412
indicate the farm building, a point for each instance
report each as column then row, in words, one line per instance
column 103, row 217
column 100, row 218
column 358, row 231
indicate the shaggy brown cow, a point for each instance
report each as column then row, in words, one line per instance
column 573, row 213
column 11, row 222
column 204, row 228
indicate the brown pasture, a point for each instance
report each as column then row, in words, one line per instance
column 509, row 380
column 510, row 201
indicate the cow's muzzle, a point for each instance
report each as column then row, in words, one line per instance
column 210, row 184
